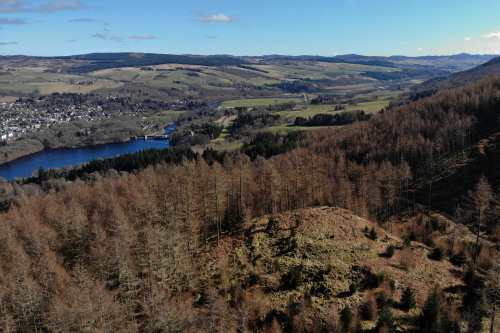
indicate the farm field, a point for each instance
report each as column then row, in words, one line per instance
column 182, row 76
column 319, row 70
column 30, row 80
column 259, row 102
column 283, row 128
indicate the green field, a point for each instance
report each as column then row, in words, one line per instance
column 230, row 148
column 259, row 102
column 222, row 137
column 371, row 107
column 312, row 110
column 165, row 115
column 283, row 128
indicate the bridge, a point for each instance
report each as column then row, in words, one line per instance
column 156, row 137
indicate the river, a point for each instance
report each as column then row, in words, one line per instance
column 56, row 158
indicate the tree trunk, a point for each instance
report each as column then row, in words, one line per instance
column 492, row 327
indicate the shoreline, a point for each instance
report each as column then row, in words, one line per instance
column 28, row 152
column 26, row 147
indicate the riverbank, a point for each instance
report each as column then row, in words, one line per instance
column 61, row 157
column 26, row 147
column 18, row 149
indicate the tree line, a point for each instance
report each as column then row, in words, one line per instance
column 337, row 119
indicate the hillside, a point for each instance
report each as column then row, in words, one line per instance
column 492, row 67
column 230, row 241
column 455, row 80
column 293, row 270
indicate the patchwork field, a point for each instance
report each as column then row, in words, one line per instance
column 28, row 80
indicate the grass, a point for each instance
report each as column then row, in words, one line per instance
column 312, row 110
column 230, row 148
column 290, row 128
column 371, row 107
column 34, row 79
column 207, row 77
column 222, row 137
column 318, row 70
column 165, row 115
column 381, row 94
column 259, row 102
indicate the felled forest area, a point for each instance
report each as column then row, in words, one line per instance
column 342, row 233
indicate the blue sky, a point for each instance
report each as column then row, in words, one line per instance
column 257, row 27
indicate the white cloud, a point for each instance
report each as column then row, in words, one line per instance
column 142, row 37
column 62, row 5
column 24, row 6
column 11, row 6
column 98, row 35
column 214, row 18
column 495, row 35
column 419, row 49
column 467, row 39
column 82, row 20
column 13, row 21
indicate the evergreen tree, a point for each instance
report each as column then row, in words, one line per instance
column 389, row 251
column 473, row 300
column 408, row 299
column 346, row 317
column 429, row 321
column 385, row 322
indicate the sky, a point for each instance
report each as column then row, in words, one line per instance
column 256, row 27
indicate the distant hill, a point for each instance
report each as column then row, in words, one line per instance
column 116, row 60
column 456, row 62
column 430, row 87
column 492, row 67
column 262, row 75
column 398, row 67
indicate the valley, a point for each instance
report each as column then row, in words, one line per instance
column 300, row 195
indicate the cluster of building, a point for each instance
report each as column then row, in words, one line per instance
column 19, row 118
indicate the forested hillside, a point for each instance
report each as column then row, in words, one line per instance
column 430, row 87
column 233, row 245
